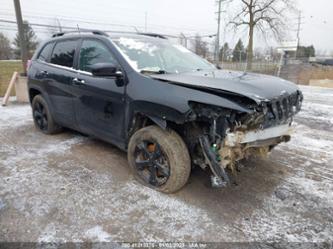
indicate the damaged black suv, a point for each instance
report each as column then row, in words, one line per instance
column 168, row 108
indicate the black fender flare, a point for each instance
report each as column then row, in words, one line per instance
column 158, row 121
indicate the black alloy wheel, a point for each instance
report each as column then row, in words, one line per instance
column 151, row 163
column 159, row 159
column 40, row 116
column 43, row 117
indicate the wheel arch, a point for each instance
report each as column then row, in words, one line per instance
column 33, row 92
column 141, row 120
column 144, row 113
column 36, row 90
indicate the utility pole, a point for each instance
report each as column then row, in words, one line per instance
column 20, row 26
column 217, row 44
column 299, row 26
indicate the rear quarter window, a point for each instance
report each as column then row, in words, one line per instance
column 63, row 53
column 45, row 54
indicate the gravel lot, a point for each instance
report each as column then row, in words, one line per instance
column 70, row 187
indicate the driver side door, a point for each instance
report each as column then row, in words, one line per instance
column 99, row 101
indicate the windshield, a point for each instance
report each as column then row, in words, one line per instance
column 153, row 55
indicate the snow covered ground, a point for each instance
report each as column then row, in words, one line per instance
column 70, row 187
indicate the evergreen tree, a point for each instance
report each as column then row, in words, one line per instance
column 239, row 54
column 30, row 39
column 5, row 49
column 306, row 52
column 224, row 52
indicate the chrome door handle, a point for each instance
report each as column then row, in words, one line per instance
column 78, row 82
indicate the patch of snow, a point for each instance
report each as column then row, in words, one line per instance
column 304, row 140
column 288, row 219
column 48, row 235
column 15, row 115
column 135, row 44
column 97, row 234
column 181, row 48
column 174, row 217
column 2, row 204
column 323, row 190
column 54, row 147
column 316, row 111
column 133, row 63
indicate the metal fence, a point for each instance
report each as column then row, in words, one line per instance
column 264, row 67
column 299, row 71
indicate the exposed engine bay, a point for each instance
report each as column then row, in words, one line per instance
column 220, row 138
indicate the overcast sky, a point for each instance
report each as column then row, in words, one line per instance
column 164, row 16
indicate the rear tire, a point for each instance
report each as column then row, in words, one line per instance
column 42, row 117
column 171, row 152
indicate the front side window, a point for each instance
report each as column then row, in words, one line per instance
column 46, row 52
column 93, row 52
column 157, row 55
column 63, row 53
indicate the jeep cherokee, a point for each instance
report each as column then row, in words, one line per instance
column 168, row 108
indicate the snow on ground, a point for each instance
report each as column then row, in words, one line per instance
column 310, row 156
column 96, row 234
column 73, row 188
column 15, row 116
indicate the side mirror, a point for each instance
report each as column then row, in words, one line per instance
column 106, row 70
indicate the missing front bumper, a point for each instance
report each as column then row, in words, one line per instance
column 242, row 144
column 238, row 138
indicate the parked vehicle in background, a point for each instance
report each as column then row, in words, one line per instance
column 168, row 108
column 321, row 61
column 328, row 62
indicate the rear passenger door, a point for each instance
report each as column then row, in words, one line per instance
column 99, row 101
column 39, row 70
column 61, row 74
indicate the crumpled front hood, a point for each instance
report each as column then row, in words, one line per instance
column 254, row 86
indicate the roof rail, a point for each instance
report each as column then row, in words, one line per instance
column 156, row 35
column 95, row 32
column 104, row 33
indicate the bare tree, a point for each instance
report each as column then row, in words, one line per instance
column 200, row 46
column 264, row 15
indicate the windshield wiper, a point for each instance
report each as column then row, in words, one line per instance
column 153, row 72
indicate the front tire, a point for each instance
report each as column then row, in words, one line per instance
column 42, row 117
column 159, row 159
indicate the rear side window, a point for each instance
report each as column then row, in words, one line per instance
column 93, row 52
column 46, row 52
column 63, row 53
